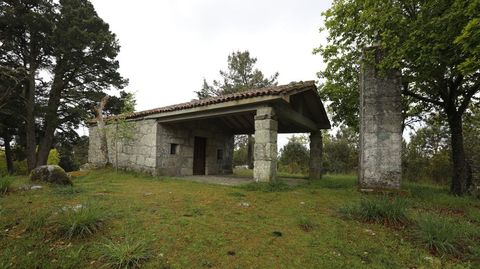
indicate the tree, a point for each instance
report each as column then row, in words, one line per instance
column 71, row 43
column 294, row 156
column 241, row 75
column 340, row 151
column 431, row 42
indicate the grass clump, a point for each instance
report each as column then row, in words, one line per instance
column 443, row 235
column 305, row 223
column 379, row 210
column 275, row 186
column 5, row 184
column 67, row 190
column 125, row 254
column 80, row 221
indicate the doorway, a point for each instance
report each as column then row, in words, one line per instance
column 199, row 149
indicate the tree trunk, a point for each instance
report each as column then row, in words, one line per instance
column 8, row 154
column 30, row 120
column 51, row 121
column 458, row 186
column 250, row 152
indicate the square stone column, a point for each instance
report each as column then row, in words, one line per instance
column 380, row 165
column 316, row 151
column 265, row 148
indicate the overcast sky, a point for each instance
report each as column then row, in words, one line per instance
column 168, row 47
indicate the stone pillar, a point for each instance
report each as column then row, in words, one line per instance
column 316, row 151
column 380, row 126
column 265, row 147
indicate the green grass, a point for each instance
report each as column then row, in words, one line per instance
column 445, row 236
column 126, row 253
column 5, row 185
column 80, row 220
column 389, row 211
column 158, row 222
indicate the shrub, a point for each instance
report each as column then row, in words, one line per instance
column 443, row 235
column 5, row 184
column 125, row 254
column 80, row 221
column 305, row 223
column 379, row 210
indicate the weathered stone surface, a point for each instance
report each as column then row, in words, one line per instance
column 149, row 149
column 50, row 174
column 380, row 128
column 316, row 151
column 265, row 148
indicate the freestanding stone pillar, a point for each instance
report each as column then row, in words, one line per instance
column 316, row 150
column 265, row 148
column 380, row 126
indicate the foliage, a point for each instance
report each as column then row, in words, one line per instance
column 80, row 221
column 127, row 253
column 74, row 50
column 340, row 151
column 53, row 157
column 241, row 75
column 5, row 184
column 294, row 156
column 444, row 235
column 380, row 210
column 431, row 42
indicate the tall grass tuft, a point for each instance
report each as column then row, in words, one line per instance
column 80, row 221
column 5, row 184
column 125, row 254
column 305, row 223
column 379, row 210
column 444, row 235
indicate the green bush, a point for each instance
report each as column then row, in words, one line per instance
column 5, row 184
column 53, row 157
column 125, row 254
column 80, row 221
column 379, row 210
column 444, row 235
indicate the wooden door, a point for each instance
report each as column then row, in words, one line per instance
column 199, row 148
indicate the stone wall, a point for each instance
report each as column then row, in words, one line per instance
column 380, row 128
column 184, row 134
column 135, row 151
column 148, row 148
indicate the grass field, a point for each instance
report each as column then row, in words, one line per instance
column 122, row 220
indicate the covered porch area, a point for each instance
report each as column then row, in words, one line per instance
column 264, row 113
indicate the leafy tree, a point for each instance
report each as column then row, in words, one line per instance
column 432, row 42
column 241, row 75
column 74, row 46
column 295, row 156
column 340, row 151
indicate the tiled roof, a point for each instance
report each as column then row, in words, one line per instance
column 267, row 91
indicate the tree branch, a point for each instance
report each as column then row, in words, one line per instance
column 421, row 98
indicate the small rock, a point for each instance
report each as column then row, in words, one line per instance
column 244, row 204
column 35, row 187
column 302, row 203
column 147, row 194
column 370, row 232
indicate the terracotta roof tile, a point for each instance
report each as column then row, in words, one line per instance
column 267, row 91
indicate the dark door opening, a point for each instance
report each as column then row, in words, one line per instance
column 199, row 148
